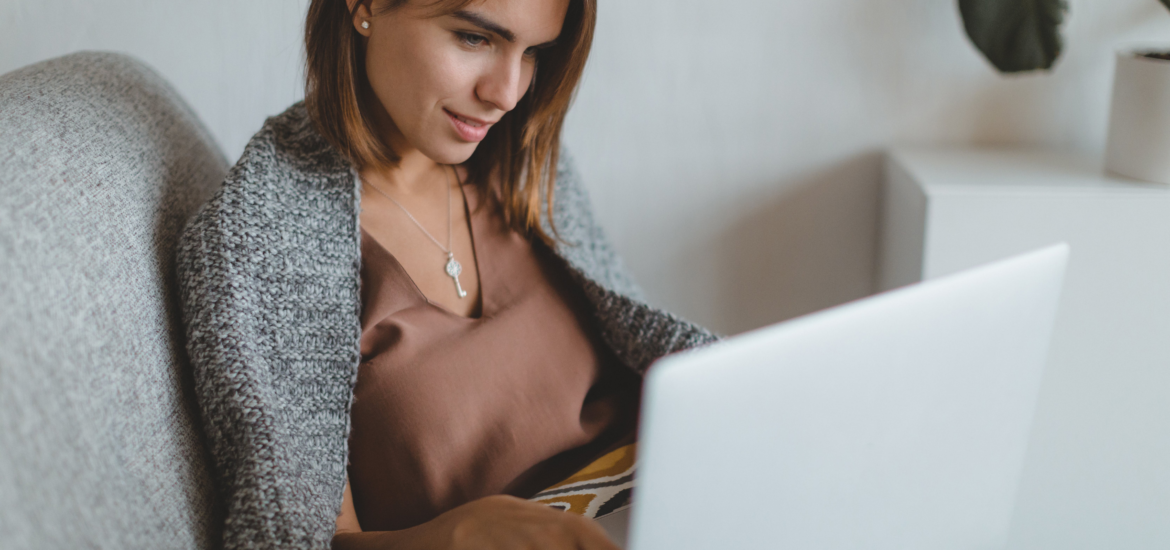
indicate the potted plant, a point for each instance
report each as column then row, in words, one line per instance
column 1024, row 35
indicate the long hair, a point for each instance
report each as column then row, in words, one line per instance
column 522, row 149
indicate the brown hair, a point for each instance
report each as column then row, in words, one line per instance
column 522, row 149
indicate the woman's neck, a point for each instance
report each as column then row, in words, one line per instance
column 413, row 174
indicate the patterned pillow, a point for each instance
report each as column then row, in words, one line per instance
column 597, row 490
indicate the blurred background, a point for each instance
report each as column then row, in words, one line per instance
column 733, row 149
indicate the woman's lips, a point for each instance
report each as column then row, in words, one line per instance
column 470, row 129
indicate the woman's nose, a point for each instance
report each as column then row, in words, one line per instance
column 505, row 84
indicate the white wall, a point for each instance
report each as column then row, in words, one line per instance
column 235, row 62
column 733, row 147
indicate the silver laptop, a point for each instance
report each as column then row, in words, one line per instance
column 895, row 422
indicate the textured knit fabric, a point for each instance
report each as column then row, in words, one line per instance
column 269, row 274
column 101, row 164
column 448, row 409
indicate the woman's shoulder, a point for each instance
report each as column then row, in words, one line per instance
column 572, row 212
column 581, row 240
column 287, row 179
column 286, row 161
column 288, row 150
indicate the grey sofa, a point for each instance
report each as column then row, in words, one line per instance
column 101, row 163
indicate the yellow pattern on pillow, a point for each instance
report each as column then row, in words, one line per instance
column 597, row 490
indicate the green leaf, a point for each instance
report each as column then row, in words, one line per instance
column 1016, row 35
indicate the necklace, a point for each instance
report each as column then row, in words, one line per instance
column 453, row 268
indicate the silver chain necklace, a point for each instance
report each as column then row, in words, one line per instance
column 453, row 268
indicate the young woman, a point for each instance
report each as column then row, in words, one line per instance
column 402, row 318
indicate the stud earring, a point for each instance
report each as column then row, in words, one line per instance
column 365, row 24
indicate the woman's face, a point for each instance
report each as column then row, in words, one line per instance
column 443, row 81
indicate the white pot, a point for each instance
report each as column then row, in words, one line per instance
column 1139, row 124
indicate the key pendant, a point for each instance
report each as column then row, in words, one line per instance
column 454, row 270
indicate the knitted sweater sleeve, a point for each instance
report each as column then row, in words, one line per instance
column 273, row 382
column 230, row 380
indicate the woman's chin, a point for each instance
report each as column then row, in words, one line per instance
column 453, row 152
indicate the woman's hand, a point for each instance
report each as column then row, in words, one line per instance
column 504, row 522
column 498, row 522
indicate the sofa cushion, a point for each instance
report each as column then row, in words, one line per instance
column 101, row 164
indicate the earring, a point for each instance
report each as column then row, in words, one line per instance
column 365, row 24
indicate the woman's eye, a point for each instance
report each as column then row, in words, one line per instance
column 470, row 39
column 531, row 52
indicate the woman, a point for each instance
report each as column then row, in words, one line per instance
column 402, row 272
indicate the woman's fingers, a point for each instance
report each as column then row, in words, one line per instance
column 509, row 523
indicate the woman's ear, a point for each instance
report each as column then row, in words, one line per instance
column 362, row 17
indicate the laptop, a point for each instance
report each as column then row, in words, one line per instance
column 899, row 421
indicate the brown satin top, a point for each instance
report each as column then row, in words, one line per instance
column 448, row 409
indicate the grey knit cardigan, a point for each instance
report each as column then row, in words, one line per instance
column 269, row 283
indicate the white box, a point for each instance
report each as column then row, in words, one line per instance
column 1098, row 469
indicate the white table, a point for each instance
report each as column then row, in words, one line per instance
column 1097, row 474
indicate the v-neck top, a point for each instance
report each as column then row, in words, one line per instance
column 448, row 409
